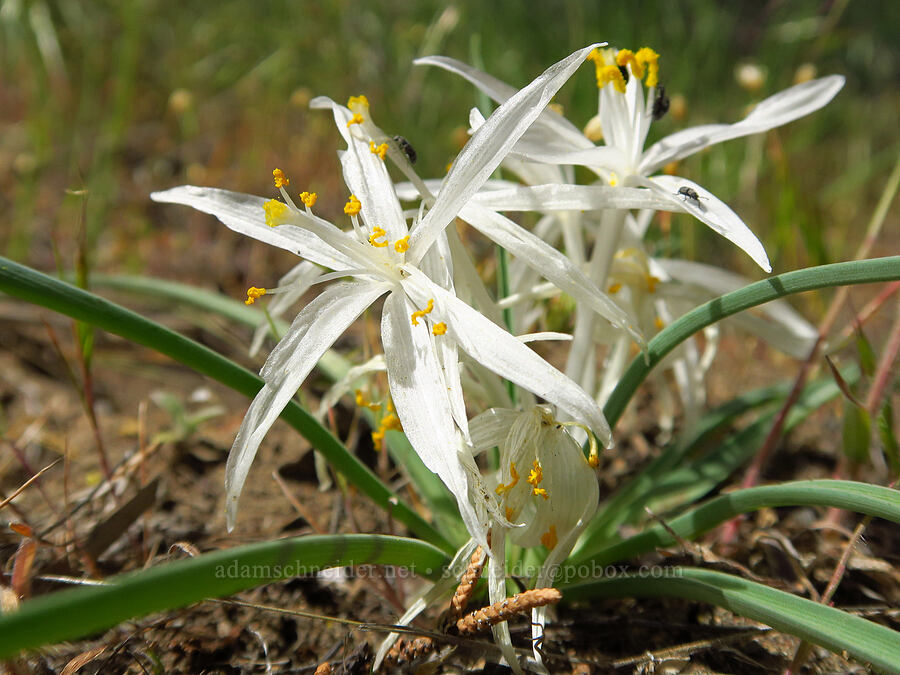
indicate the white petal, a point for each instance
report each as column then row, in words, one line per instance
column 546, row 260
column 785, row 106
column 571, row 198
column 314, row 330
column 544, row 335
column 502, row 353
column 244, row 214
column 488, row 146
column 490, row 428
column 420, row 397
column 780, row 324
column 500, row 92
column 715, row 213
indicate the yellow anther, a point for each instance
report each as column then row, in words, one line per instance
column 308, row 199
column 649, row 59
column 419, row 313
column 594, row 458
column 607, row 74
column 651, row 283
column 596, row 56
column 389, row 421
column 402, row 245
column 659, row 323
column 380, row 150
column 357, row 102
column 448, row 167
column 280, row 179
column 276, row 212
column 440, row 328
column 510, row 513
column 626, row 57
column 253, row 294
column 353, row 206
column 550, row 538
column 514, row 479
column 613, row 179
column 356, row 119
column 377, row 233
column 535, row 476
column 614, row 288
column 364, row 402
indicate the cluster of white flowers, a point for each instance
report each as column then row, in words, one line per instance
column 447, row 349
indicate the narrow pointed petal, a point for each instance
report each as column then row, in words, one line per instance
column 488, row 146
column 785, row 106
column 502, row 353
column 314, row 330
column 546, row 260
column 367, row 177
column 714, row 213
column 499, row 91
column 244, row 214
column 571, row 198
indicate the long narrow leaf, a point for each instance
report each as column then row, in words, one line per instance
column 826, row 626
column 33, row 286
column 78, row 612
column 824, row 276
column 860, row 497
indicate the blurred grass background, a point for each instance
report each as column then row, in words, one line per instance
column 103, row 102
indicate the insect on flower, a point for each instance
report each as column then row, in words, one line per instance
column 689, row 193
column 660, row 104
column 406, row 148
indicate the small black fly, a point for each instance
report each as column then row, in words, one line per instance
column 660, row 103
column 689, row 193
column 407, row 149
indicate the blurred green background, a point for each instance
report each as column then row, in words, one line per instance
column 103, row 102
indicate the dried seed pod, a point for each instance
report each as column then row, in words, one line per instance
column 406, row 651
column 504, row 610
column 467, row 583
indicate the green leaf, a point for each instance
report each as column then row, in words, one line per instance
column 824, row 276
column 33, row 286
column 78, row 612
column 885, row 422
column 857, row 431
column 873, row 500
column 839, row 631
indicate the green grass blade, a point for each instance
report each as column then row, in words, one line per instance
column 873, row 500
column 33, row 286
column 839, row 631
column 78, row 612
column 824, row 276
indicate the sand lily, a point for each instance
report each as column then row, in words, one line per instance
column 423, row 322
column 626, row 111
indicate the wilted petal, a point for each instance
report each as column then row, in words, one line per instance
column 314, row 330
column 785, row 106
column 244, row 214
column 488, row 146
column 715, row 213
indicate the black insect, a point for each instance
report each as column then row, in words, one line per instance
column 407, row 149
column 660, row 103
column 689, row 193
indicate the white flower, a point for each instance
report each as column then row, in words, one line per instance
column 625, row 114
column 423, row 322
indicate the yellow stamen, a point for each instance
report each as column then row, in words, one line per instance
column 626, row 57
column 550, row 538
column 364, row 402
column 253, row 294
column 502, row 489
column 535, row 476
column 280, row 179
column 659, row 323
column 440, row 328
column 357, row 101
column 651, row 283
column 614, row 288
column 402, row 245
column 353, row 206
column 276, row 212
column 509, row 513
column 377, row 233
column 380, row 150
column 356, row 119
column 607, row 74
column 419, row 313
column 308, row 199
column 388, row 422
column 613, row 179
column 649, row 58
